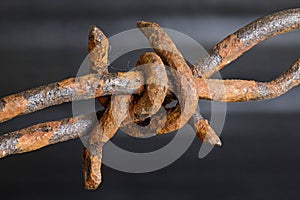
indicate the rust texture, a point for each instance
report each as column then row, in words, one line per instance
column 151, row 99
column 98, row 46
column 248, row 90
column 203, row 130
column 137, row 101
column 167, row 50
column 91, row 169
column 81, row 88
column 74, row 127
column 44, row 134
column 156, row 86
column 185, row 87
column 236, row 44
column 117, row 110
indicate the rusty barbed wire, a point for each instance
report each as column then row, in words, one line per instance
column 152, row 88
column 98, row 46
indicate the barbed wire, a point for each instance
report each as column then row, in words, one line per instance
column 152, row 85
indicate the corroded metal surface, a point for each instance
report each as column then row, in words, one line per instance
column 44, row 134
column 236, row 44
column 81, row 88
column 185, row 86
column 156, row 86
column 98, row 59
column 152, row 98
column 153, row 88
column 244, row 90
column 98, row 46
column 167, row 50
column 91, row 168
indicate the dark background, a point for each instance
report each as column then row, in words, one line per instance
column 46, row 41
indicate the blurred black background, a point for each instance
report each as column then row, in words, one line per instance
column 46, row 41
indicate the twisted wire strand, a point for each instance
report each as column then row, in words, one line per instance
column 95, row 85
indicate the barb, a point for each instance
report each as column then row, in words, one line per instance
column 98, row 58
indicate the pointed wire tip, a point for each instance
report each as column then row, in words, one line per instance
column 143, row 24
column 218, row 143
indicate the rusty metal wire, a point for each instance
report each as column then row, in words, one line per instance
column 152, row 88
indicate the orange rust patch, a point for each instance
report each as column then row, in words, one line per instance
column 14, row 106
column 201, row 129
column 72, row 120
column 202, row 88
column 66, row 83
column 131, row 75
column 233, row 90
column 99, row 91
column 205, row 133
column 38, row 138
column 91, row 169
column 229, row 47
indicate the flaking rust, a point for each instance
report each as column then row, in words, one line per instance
column 98, row 59
column 152, row 86
column 236, row 44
